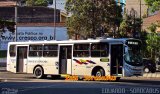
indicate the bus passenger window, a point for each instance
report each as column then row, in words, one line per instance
column 81, row 50
column 50, row 50
column 35, row 50
column 99, row 50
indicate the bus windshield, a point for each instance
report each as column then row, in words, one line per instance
column 133, row 55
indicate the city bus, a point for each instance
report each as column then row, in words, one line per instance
column 92, row 57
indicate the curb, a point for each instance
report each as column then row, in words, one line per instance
column 151, row 75
column 142, row 78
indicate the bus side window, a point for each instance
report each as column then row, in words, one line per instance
column 81, row 50
column 35, row 50
column 99, row 50
column 12, row 50
column 95, row 50
column 105, row 49
column 50, row 50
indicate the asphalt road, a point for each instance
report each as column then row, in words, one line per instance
column 26, row 84
column 81, row 87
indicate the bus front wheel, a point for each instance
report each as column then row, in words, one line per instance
column 38, row 72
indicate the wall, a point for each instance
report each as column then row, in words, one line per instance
column 32, row 34
column 135, row 4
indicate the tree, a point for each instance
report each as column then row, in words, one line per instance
column 153, row 43
column 36, row 2
column 130, row 26
column 92, row 17
column 7, row 24
column 153, row 4
column 41, row 3
column 30, row 2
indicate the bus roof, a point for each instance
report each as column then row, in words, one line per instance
column 75, row 41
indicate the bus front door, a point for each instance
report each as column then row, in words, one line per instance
column 116, row 59
column 21, row 59
column 65, row 59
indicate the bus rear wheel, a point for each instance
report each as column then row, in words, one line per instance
column 99, row 73
column 38, row 72
column 118, row 78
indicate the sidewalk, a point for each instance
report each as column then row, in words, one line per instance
column 157, row 74
column 141, row 78
column 5, row 75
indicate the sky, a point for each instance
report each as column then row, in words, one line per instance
column 59, row 4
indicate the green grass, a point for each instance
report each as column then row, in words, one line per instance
column 3, row 53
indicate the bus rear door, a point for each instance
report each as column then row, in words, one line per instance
column 21, row 64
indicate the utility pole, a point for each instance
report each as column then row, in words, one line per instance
column 15, row 19
column 140, row 14
column 54, row 19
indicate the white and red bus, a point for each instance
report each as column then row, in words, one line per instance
column 100, row 57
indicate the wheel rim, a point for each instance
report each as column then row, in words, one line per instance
column 38, row 72
column 146, row 70
column 98, row 73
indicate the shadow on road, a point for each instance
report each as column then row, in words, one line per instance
column 150, row 81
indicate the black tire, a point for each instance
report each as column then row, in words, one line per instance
column 99, row 73
column 39, row 73
column 118, row 78
column 55, row 76
column 146, row 70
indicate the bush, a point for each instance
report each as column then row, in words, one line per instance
column 3, row 53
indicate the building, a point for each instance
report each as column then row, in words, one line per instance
column 138, row 6
column 31, row 19
column 30, row 14
column 33, row 23
column 151, row 19
column 7, row 3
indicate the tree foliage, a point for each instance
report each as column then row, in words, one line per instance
column 153, row 45
column 153, row 4
column 153, row 42
column 36, row 2
column 92, row 17
column 130, row 27
column 7, row 24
